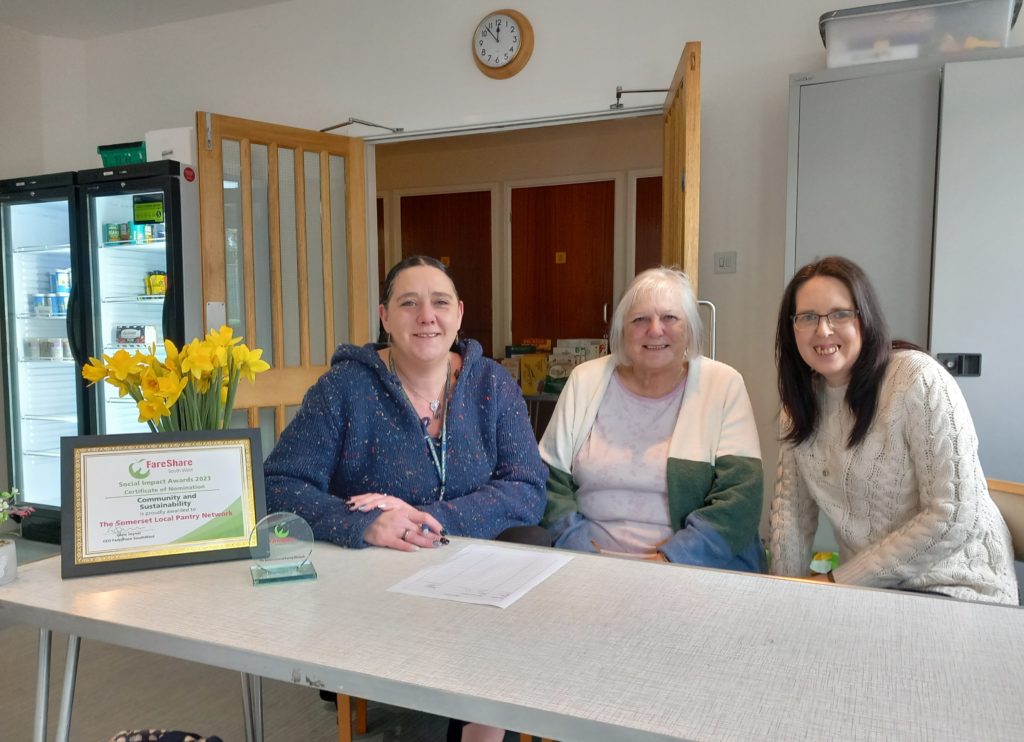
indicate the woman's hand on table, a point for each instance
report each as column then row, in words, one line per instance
column 377, row 501
column 405, row 529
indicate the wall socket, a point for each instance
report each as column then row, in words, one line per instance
column 725, row 262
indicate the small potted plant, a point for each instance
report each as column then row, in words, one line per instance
column 10, row 510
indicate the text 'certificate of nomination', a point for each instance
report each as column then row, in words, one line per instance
column 161, row 500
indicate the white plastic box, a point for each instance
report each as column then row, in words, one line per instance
column 915, row 28
column 172, row 144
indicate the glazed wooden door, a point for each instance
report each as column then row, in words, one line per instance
column 681, row 166
column 284, row 253
column 562, row 260
column 455, row 228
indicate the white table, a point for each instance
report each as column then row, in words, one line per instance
column 605, row 649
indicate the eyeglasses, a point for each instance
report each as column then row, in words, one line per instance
column 809, row 320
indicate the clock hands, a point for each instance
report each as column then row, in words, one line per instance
column 492, row 33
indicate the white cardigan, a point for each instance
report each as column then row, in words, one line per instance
column 714, row 473
column 909, row 504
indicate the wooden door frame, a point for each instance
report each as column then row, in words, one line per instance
column 619, row 267
column 632, row 176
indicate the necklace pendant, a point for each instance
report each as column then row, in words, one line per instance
column 435, row 405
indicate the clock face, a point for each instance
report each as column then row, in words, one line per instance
column 498, row 40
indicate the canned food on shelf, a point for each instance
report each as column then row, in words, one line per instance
column 52, row 348
column 41, row 305
column 31, row 349
column 113, row 232
column 66, row 347
column 60, row 281
column 156, row 282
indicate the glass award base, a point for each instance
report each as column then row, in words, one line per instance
column 261, row 574
column 280, row 546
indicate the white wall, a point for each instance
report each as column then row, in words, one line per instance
column 313, row 63
column 21, row 136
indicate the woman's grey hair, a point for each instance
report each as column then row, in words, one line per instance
column 666, row 286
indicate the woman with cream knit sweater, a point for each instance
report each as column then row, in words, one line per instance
column 881, row 441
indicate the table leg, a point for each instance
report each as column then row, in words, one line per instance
column 68, row 694
column 42, row 685
column 257, row 706
column 252, row 707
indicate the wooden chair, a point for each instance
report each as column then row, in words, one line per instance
column 345, row 724
column 1009, row 498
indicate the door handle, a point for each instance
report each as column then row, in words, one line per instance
column 604, row 313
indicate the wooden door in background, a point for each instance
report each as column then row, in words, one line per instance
column 455, row 228
column 648, row 224
column 562, row 260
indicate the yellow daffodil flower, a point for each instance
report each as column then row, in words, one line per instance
column 248, row 362
column 222, row 337
column 197, row 359
column 121, row 365
column 171, row 387
column 152, row 408
column 173, row 363
column 94, row 371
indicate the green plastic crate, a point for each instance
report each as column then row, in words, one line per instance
column 122, row 154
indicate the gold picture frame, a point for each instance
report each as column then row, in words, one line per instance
column 149, row 500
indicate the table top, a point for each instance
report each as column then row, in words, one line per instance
column 604, row 649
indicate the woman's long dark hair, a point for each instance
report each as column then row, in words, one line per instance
column 796, row 379
column 389, row 283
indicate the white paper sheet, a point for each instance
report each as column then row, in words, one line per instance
column 484, row 574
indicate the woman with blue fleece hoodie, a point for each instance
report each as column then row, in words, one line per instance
column 405, row 441
column 652, row 451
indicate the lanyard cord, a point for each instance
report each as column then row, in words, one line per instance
column 440, row 464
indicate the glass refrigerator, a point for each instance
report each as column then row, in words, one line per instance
column 92, row 262
column 139, row 268
column 42, row 396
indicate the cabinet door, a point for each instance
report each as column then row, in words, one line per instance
column 865, row 166
column 979, row 263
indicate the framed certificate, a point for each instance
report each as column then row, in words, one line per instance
column 158, row 499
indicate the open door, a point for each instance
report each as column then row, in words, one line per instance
column 681, row 166
column 284, row 253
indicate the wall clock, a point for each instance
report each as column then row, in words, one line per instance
column 502, row 43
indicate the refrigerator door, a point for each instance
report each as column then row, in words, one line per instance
column 140, row 240
column 127, row 244
column 41, row 382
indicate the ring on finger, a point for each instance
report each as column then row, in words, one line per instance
column 405, row 533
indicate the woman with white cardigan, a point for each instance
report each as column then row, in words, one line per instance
column 652, row 451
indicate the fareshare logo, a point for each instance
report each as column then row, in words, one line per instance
column 281, row 531
column 138, row 469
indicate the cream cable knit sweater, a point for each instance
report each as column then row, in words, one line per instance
column 909, row 504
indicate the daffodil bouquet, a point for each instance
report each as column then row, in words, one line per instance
column 191, row 389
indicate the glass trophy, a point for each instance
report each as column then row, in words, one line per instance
column 280, row 546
